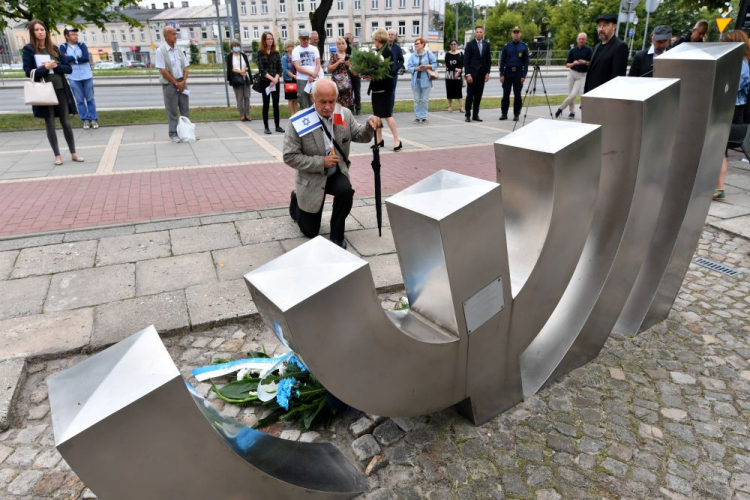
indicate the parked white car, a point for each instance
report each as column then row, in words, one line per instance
column 105, row 65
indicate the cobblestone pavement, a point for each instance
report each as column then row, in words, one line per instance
column 660, row 415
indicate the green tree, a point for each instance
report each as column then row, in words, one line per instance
column 464, row 22
column 255, row 46
column 76, row 13
column 195, row 54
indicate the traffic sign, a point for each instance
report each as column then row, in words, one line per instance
column 722, row 23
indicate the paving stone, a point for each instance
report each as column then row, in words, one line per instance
column 229, row 217
column 264, row 230
column 34, row 241
column 12, row 373
column 367, row 218
column 365, row 447
column 204, row 238
column 309, row 437
column 367, row 242
column 548, row 494
column 387, row 433
column 682, row 378
column 404, row 424
column 385, row 270
column 7, row 260
column 132, row 248
column 561, row 443
column 24, row 483
column 119, row 320
column 90, row 287
column 46, row 334
column 23, row 297
column 167, row 224
column 674, row 413
column 290, row 435
column 362, row 426
column 216, row 302
column 174, row 273
column 54, row 259
column 234, row 263
column 97, row 234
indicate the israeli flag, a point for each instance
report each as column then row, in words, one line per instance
column 306, row 121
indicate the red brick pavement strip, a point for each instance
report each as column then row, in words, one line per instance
column 67, row 203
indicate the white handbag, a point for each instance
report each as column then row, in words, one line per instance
column 39, row 93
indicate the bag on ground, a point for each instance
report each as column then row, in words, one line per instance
column 186, row 129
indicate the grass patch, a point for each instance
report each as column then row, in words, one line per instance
column 14, row 122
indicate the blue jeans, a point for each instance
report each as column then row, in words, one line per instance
column 83, row 90
column 421, row 102
column 393, row 96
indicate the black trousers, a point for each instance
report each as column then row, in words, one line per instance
column 266, row 101
column 474, row 93
column 49, row 123
column 513, row 81
column 340, row 188
column 356, row 88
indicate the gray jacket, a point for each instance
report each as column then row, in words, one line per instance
column 305, row 154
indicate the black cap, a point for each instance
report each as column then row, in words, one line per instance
column 69, row 29
column 607, row 18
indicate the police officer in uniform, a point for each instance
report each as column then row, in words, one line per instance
column 514, row 63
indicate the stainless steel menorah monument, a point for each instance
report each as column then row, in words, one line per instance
column 511, row 288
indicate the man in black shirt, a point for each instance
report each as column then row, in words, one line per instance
column 643, row 61
column 577, row 64
column 610, row 57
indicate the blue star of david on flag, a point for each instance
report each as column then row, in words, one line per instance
column 306, row 121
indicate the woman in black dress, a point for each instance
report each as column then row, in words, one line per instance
column 454, row 72
column 381, row 91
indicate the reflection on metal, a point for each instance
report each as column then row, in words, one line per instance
column 130, row 427
column 709, row 75
column 582, row 212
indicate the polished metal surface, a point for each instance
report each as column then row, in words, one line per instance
column 709, row 76
column 633, row 176
column 549, row 192
column 130, row 427
column 321, row 301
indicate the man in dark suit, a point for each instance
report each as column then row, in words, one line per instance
column 610, row 58
column 397, row 64
column 477, row 70
column 643, row 61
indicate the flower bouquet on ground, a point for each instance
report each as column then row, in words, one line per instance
column 283, row 385
column 370, row 64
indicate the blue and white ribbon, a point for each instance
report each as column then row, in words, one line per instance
column 259, row 365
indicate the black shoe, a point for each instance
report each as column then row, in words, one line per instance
column 515, row 118
column 267, row 131
column 468, row 120
column 558, row 113
column 382, row 143
column 477, row 119
column 503, row 117
column 293, row 207
column 572, row 116
column 280, row 130
column 341, row 243
column 400, row 145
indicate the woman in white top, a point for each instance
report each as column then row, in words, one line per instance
column 240, row 77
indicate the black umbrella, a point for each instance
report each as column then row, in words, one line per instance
column 376, row 171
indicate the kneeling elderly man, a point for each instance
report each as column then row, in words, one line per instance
column 317, row 144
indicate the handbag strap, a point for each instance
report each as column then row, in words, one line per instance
column 335, row 144
column 31, row 75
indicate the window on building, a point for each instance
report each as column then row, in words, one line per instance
column 374, row 4
column 402, row 28
column 253, row 7
column 264, row 6
column 300, row 5
column 256, row 35
column 158, row 35
column 227, row 33
column 284, row 32
column 358, row 31
column 178, row 31
column 417, row 3
column 245, row 33
column 341, row 29
column 374, row 27
column 340, row 5
column 357, row 4
column 132, row 35
column 415, row 28
column 388, row 25
column 329, row 30
column 401, row 4
column 243, row 8
column 143, row 36
column 313, row 5
column 266, row 28
column 204, row 33
column 282, row 6
column 388, row 4
column 123, row 36
column 105, row 37
column 85, row 38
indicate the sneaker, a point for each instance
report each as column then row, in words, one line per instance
column 425, row 122
column 719, row 195
column 417, row 122
column 280, row 130
column 267, row 131
column 175, row 139
column 94, row 124
column 572, row 116
column 86, row 124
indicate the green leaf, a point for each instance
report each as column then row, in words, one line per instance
column 239, row 389
column 257, row 354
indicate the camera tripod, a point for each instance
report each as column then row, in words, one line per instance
column 536, row 76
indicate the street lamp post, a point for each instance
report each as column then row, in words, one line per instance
column 221, row 47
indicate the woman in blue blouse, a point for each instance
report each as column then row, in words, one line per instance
column 421, row 85
column 740, row 103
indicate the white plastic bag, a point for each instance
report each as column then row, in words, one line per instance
column 186, row 129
